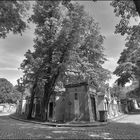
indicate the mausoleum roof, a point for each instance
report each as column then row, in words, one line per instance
column 76, row 85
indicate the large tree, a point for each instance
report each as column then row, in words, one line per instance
column 12, row 15
column 37, row 65
column 68, row 45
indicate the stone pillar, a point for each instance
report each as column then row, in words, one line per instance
column 35, row 107
column 90, row 108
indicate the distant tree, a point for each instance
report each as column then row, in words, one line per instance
column 119, row 91
column 16, row 94
column 115, row 90
column 5, row 89
column 8, row 93
column 12, row 15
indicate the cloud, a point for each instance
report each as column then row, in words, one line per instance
column 112, row 80
column 11, row 75
column 103, row 13
column 9, row 60
column 16, row 44
column 111, row 65
column 12, row 50
column 114, row 45
column 6, row 68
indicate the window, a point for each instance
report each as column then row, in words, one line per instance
column 76, row 96
column 51, row 110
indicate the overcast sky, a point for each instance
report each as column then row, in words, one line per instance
column 13, row 48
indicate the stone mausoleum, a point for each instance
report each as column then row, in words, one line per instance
column 79, row 102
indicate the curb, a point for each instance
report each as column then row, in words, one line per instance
column 72, row 125
column 5, row 114
column 61, row 125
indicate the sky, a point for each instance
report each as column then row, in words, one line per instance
column 13, row 48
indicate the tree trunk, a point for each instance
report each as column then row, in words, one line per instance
column 48, row 90
column 45, row 102
column 49, row 87
column 29, row 116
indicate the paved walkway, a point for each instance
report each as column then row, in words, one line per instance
column 133, row 117
column 126, row 128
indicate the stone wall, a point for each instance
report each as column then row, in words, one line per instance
column 82, row 100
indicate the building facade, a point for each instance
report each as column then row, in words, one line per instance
column 79, row 102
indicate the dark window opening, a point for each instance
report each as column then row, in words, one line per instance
column 76, row 96
column 38, row 110
column 51, row 110
column 93, row 104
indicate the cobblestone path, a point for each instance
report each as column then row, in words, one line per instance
column 127, row 128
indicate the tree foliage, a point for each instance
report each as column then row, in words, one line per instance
column 115, row 91
column 130, row 91
column 12, row 15
column 68, row 47
column 128, row 68
column 126, row 10
column 8, row 93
